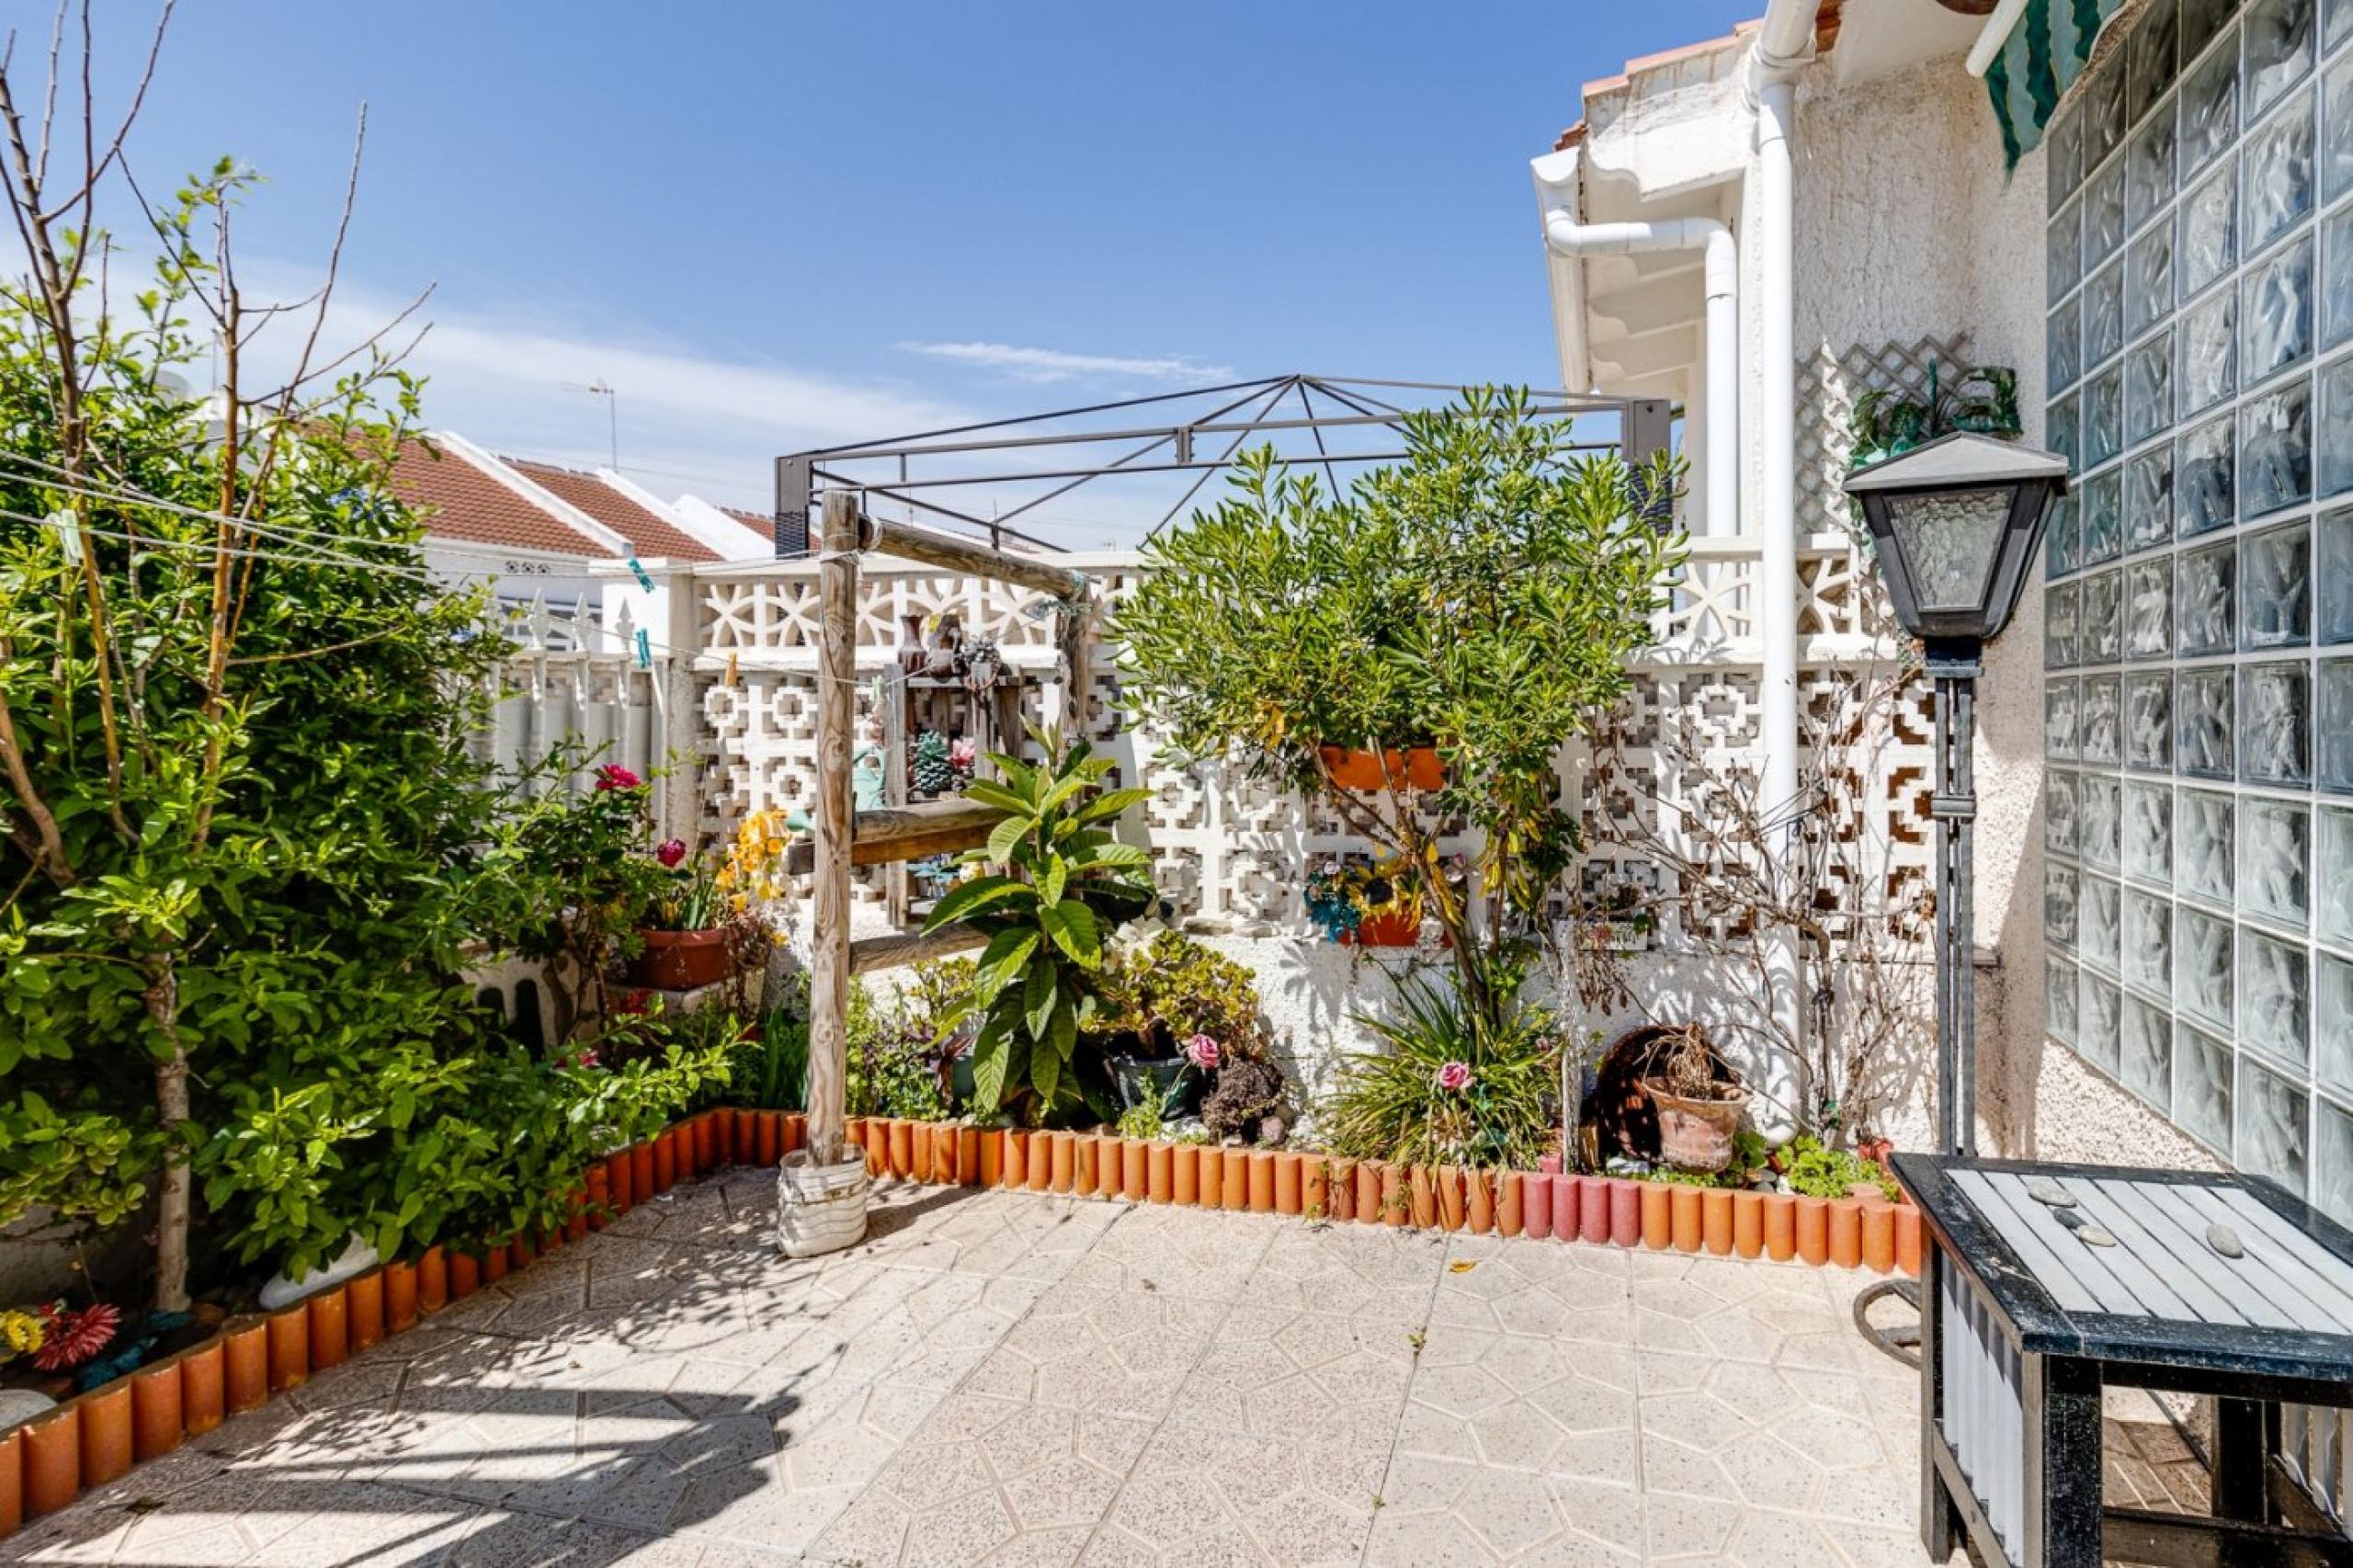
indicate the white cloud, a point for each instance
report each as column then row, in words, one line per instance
column 1055, row 365
column 690, row 418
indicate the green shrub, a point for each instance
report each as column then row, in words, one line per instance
column 1813, row 1170
column 770, row 1066
column 1449, row 1088
column 1154, row 996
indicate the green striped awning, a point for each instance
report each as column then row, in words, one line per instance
column 2039, row 61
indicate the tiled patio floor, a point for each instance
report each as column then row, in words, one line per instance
column 1006, row 1378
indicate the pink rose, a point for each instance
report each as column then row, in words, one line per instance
column 673, row 850
column 1202, row 1052
column 613, row 776
column 1454, row 1077
column 963, row 754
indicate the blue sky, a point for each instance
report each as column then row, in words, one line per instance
column 775, row 225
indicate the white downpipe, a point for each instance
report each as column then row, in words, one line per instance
column 1720, row 488
column 1784, row 43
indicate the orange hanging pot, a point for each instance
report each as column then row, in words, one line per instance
column 1417, row 768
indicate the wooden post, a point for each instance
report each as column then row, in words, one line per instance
column 1077, row 627
column 952, row 554
column 836, row 718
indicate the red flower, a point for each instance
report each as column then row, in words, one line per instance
column 613, row 776
column 673, row 850
column 74, row 1337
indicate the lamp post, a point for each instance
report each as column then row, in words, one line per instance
column 1955, row 522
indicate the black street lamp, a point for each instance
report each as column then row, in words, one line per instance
column 1955, row 522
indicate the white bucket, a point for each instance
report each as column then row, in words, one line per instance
column 820, row 1209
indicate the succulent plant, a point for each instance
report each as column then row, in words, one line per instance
column 932, row 770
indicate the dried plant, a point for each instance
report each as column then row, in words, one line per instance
column 1714, row 872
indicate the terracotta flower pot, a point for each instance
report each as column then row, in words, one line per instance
column 465, row 1275
column 246, row 1365
column 1159, row 1171
column 204, row 1399
column 53, row 1461
column 1715, row 1219
column 1452, row 1203
column 1879, row 1236
column 433, row 1280
column 1685, row 1220
column 1780, row 1226
column 1185, row 1176
column 1694, row 1133
column 1658, row 1216
column 1339, row 1189
column 1396, row 1202
column 399, row 1298
column 1594, row 1210
column 1479, row 1201
column 1417, row 767
column 1847, row 1232
column 1135, row 1169
column 1813, row 1229
column 991, row 1155
column 640, row 1171
column 1536, row 1206
column 1907, row 1239
column 289, row 1348
column 1510, row 1213
column 1392, row 929
column 1370, row 1184
column 12, row 1481
column 158, row 1410
column 1262, row 1181
column 1233, row 1180
column 1626, row 1212
column 1749, row 1222
column 968, row 1156
column 1569, row 1193
column 681, row 960
column 364, row 1300
column 768, row 1137
column 107, row 1438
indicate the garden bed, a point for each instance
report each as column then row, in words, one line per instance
column 97, row 1438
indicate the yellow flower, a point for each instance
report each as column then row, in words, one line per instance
column 20, row 1331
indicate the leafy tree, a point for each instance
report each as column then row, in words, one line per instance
column 1050, row 883
column 237, row 806
column 1482, row 597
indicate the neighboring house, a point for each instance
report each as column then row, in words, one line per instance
column 2166, row 907
column 540, row 530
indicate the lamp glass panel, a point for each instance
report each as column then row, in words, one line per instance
column 1949, row 538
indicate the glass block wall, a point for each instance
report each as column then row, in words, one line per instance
column 2198, row 706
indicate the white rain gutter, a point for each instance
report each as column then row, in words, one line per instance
column 1720, row 488
column 1784, row 46
column 1993, row 35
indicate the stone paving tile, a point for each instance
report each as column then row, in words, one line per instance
column 1018, row 1379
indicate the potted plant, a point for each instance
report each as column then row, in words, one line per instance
column 1361, row 903
column 685, row 943
column 1160, row 995
column 1388, row 767
column 1697, row 1097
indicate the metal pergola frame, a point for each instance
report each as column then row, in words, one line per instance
column 1258, row 407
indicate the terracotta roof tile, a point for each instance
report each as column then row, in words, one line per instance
column 648, row 535
column 457, row 500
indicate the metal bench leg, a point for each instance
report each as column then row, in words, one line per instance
column 2061, row 1396
column 2246, row 1435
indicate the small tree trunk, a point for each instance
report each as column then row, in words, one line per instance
column 175, row 1197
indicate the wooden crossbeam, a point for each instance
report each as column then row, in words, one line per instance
column 952, row 554
column 869, row 953
column 905, row 833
